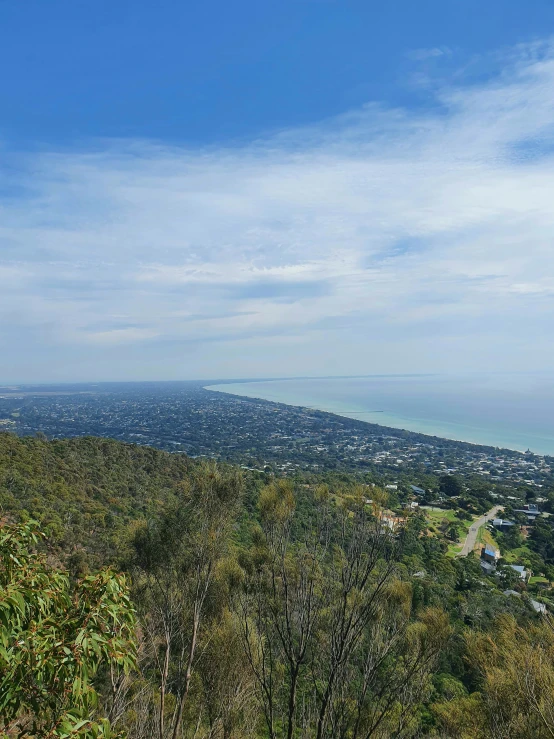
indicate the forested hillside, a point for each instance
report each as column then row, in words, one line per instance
column 85, row 491
column 259, row 607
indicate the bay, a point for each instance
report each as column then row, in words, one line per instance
column 513, row 411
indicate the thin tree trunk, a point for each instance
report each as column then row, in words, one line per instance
column 292, row 701
column 323, row 714
column 163, row 685
column 188, row 675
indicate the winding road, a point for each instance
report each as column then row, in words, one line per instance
column 471, row 537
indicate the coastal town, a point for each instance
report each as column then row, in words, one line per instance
column 186, row 418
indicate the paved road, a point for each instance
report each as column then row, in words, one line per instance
column 471, row 537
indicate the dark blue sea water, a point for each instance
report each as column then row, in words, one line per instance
column 504, row 410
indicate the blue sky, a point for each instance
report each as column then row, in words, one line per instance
column 210, row 189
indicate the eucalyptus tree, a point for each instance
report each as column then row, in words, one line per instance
column 56, row 634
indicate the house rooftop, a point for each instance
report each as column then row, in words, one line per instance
column 487, row 568
column 538, row 607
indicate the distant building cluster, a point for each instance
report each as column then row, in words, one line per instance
column 186, row 418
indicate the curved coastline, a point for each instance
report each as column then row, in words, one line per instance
column 451, row 431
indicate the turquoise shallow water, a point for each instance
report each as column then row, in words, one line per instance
column 509, row 411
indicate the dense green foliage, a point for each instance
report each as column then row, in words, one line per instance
column 85, row 491
column 54, row 637
column 265, row 607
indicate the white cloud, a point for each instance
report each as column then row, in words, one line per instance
column 379, row 238
column 432, row 53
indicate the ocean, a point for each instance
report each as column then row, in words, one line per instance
column 512, row 411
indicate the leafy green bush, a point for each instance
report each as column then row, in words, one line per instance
column 55, row 635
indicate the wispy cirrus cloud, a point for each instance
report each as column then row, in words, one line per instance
column 364, row 239
column 431, row 53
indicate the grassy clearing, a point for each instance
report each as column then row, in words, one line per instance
column 515, row 555
column 436, row 521
column 454, row 550
column 485, row 537
column 538, row 578
column 436, row 517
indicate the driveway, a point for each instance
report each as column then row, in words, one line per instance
column 471, row 537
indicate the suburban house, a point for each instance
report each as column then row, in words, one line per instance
column 487, row 568
column 416, row 490
column 538, row 607
column 412, row 505
column 535, row 605
column 502, row 524
column 531, row 511
column 490, row 554
column 522, row 572
column 391, row 521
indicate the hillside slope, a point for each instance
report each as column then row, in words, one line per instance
column 84, row 491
